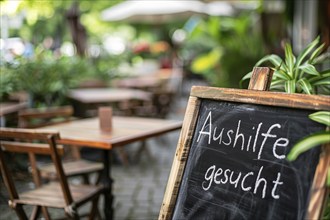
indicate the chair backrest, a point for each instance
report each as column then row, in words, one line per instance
column 19, row 140
column 39, row 117
column 34, row 117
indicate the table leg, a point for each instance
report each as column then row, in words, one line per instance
column 2, row 121
column 107, row 181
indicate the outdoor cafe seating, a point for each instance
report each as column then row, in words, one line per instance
column 163, row 84
column 55, row 194
column 73, row 165
column 74, row 134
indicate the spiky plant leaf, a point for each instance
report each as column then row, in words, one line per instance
column 308, row 143
column 322, row 75
column 322, row 79
column 282, row 74
column 290, row 86
column 289, row 59
column 326, row 89
column 247, row 76
column 316, row 53
column 322, row 117
column 325, row 73
column 323, row 58
column 322, row 82
column 274, row 59
column 306, row 51
column 277, row 85
column 305, row 86
column 309, row 69
column 277, row 82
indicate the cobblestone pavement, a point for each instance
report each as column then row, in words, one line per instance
column 139, row 187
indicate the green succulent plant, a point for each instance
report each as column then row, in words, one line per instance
column 299, row 74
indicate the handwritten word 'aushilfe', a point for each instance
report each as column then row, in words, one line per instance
column 245, row 142
column 220, row 176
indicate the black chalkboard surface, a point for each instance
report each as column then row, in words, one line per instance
column 236, row 167
column 230, row 161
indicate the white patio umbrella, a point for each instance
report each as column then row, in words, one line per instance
column 161, row 11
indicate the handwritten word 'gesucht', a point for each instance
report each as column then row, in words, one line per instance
column 221, row 176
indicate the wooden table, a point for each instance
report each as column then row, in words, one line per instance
column 144, row 83
column 86, row 98
column 87, row 132
column 9, row 108
column 106, row 95
column 148, row 82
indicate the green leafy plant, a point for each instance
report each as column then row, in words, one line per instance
column 299, row 74
column 8, row 82
column 46, row 78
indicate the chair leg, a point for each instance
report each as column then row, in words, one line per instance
column 20, row 212
column 71, row 212
column 142, row 147
column 85, row 179
column 123, row 156
column 73, row 215
column 98, row 177
column 94, row 210
column 45, row 213
column 35, row 212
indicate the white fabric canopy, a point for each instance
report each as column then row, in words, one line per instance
column 160, row 11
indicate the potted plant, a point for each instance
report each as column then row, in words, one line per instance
column 299, row 74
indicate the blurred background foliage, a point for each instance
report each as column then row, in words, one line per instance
column 228, row 48
column 48, row 18
column 219, row 50
column 47, row 79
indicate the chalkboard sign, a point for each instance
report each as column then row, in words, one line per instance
column 230, row 161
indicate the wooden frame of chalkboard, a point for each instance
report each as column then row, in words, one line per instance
column 206, row 183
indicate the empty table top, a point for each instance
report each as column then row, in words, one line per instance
column 11, row 107
column 87, row 132
column 104, row 95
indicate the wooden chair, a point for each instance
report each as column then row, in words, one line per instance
column 59, row 194
column 74, row 165
column 39, row 117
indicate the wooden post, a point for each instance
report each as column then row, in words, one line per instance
column 261, row 78
column 320, row 192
